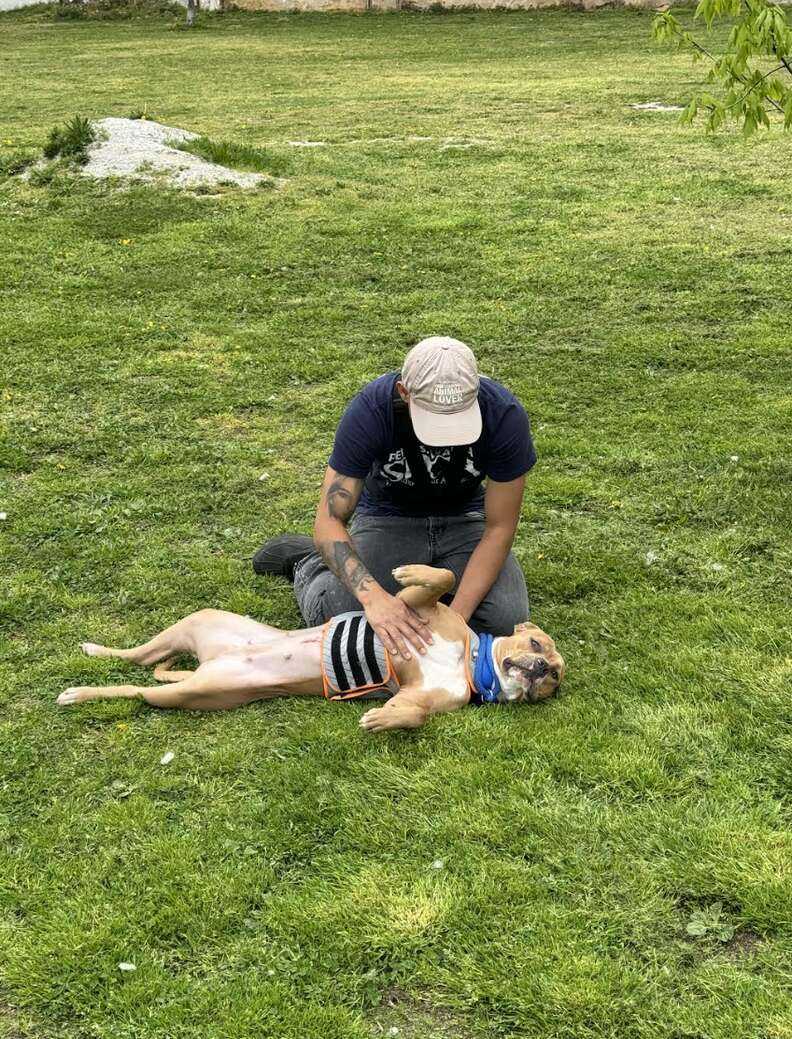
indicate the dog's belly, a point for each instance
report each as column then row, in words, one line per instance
column 288, row 664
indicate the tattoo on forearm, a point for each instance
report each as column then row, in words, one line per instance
column 340, row 502
column 345, row 563
column 351, row 566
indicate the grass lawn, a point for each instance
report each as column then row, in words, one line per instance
column 173, row 367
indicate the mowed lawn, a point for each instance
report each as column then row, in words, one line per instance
column 173, row 367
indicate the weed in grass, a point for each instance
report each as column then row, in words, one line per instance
column 142, row 113
column 711, row 922
column 70, row 141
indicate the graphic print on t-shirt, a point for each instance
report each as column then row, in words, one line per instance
column 397, row 469
column 438, row 461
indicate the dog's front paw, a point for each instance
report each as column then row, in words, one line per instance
column 375, row 720
column 68, row 697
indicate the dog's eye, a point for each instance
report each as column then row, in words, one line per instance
column 554, row 674
column 536, row 645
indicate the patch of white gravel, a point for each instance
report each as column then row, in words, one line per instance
column 141, row 148
column 445, row 142
column 657, row 106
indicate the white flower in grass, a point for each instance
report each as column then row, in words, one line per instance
column 127, row 967
column 3, row 515
column 651, row 557
column 438, row 864
column 167, row 757
column 734, row 458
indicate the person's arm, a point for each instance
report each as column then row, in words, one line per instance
column 394, row 621
column 502, row 502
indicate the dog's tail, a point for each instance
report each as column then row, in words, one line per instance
column 163, row 672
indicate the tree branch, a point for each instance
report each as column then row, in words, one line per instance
column 741, row 79
column 753, row 87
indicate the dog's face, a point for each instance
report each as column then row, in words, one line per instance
column 531, row 665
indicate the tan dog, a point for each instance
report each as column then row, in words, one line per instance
column 241, row 660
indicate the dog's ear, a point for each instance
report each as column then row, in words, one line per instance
column 525, row 627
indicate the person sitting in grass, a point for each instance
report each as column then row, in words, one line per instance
column 404, row 484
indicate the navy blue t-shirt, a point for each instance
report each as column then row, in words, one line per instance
column 370, row 445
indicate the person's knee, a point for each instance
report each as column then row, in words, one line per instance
column 506, row 604
column 498, row 617
column 325, row 597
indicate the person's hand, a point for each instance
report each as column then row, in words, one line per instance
column 396, row 623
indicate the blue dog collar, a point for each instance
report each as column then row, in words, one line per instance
column 486, row 684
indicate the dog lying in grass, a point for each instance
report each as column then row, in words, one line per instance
column 241, row 660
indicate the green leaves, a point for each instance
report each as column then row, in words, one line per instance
column 759, row 47
column 711, row 923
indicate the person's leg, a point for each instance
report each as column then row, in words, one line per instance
column 506, row 603
column 279, row 556
column 382, row 542
column 319, row 593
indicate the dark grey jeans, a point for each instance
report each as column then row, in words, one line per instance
column 385, row 542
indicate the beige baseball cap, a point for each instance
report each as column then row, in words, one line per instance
column 441, row 376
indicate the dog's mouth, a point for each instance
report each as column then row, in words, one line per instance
column 527, row 675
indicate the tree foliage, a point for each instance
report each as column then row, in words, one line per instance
column 752, row 78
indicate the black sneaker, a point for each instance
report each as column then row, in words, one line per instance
column 279, row 556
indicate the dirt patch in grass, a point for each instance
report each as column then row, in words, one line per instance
column 744, row 943
column 403, row 1015
column 9, row 1022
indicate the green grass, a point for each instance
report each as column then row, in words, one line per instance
column 106, row 10
column 14, row 163
column 235, row 156
column 630, row 281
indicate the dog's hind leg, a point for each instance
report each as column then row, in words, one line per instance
column 210, row 688
column 173, row 697
column 83, row 693
column 168, row 643
column 163, row 672
column 185, row 636
column 205, row 634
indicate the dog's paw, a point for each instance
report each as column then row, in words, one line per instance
column 413, row 574
column 91, row 649
column 373, row 720
column 68, row 697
